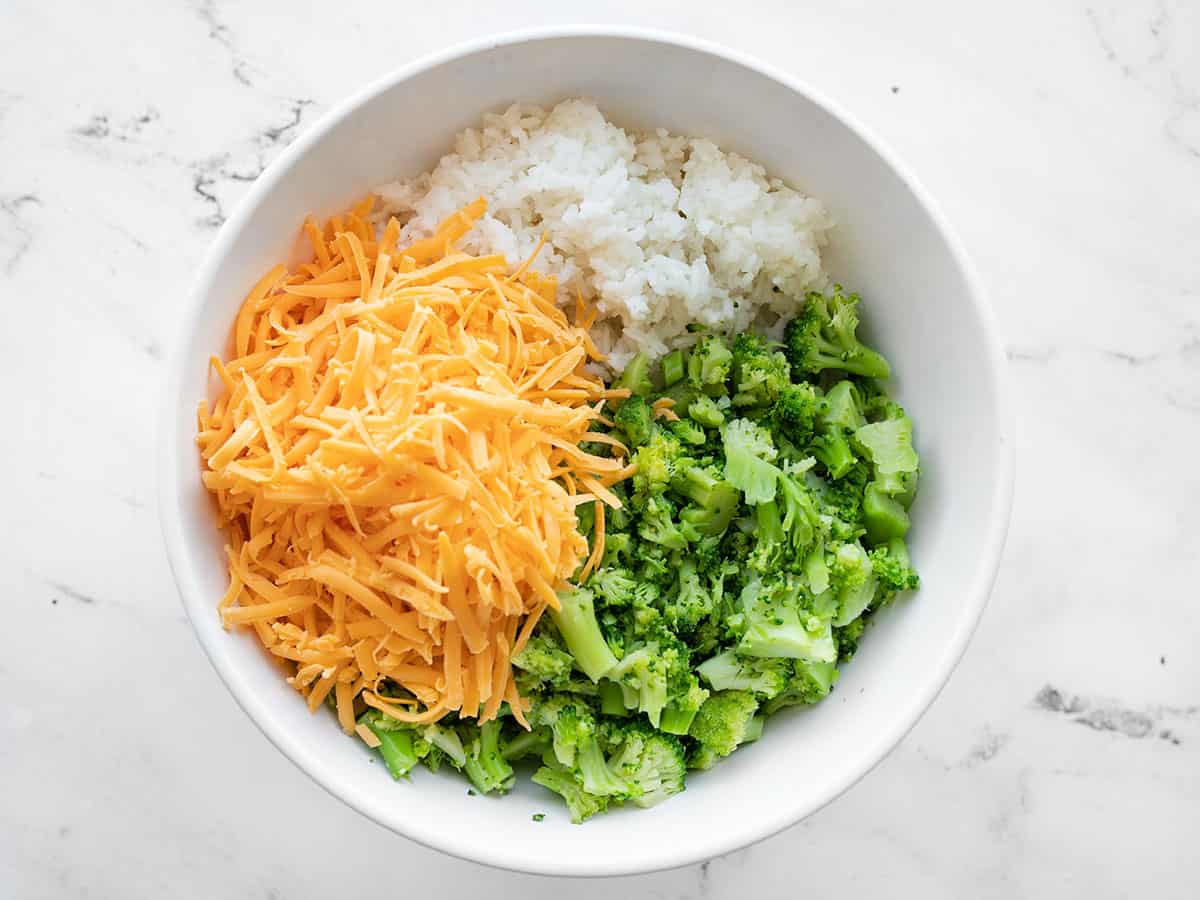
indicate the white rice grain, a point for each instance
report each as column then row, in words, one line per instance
column 659, row 231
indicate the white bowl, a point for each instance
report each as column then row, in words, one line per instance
column 923, row 308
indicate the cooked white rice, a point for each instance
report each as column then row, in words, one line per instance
column 658, row 230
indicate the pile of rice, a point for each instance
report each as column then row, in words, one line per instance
column 657, row 230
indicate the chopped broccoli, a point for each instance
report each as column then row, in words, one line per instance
column 691, row 602
column 796, row 411
column 705, row 411
column 636, row 420
column 854, row 580
column 485, row 765
column 811, row 682
column 636, row 376
column 651, row 763
column 715, row 500
column 823, row 336
column 576, row 622
column 658, row 525
column 562, row 781
column 673, row 367
column 657, row 461
column 893, row 569
column 544, row 661
column 765, row 678
column 709, row 364
column 777, row 626
column 889, row 445
column 759, row 373
column 615, row 586
column 749, row 453
column 688, row 432
column 724, row 721
column 883, row 517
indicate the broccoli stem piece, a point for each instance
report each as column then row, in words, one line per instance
column 580, row 803
column 485, row 765
column 677, row 719
column 576, row 621
column 833, row 450
column 672, row 368
column 396, row 748
column 884, row 517
column 612, row 699
column 526, row 743
column 636, row 376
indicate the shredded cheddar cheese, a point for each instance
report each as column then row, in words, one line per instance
column 395, row 455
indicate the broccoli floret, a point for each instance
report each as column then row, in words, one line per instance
column 706, row 412
column 651, row 763
column 688, row 432
column 889, row 446
column 823, row 337
column 569, row 720
column 749, row 453
column 681, row 709
column 893, row 569
column 709, row 364
column 811, row 682
column 691, row 602
column 776, row 625
column 801, row 519
column 576, row 622
column 636, row 376
column 842, row 409
column 543, row 661
column 643, row 675
column 614, row 585
column 636, row 420
column 854, row 580
column 795, row 412
column 769, row 553
column 847, row 638
column 485, row 765
column 562, row 781
column 657, row 462
column 658, row 525
column 759, row 374
column 727, row 671
column 646, row 610
column 724, row 721
column 716, row 501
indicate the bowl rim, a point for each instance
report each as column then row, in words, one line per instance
column 462, row 846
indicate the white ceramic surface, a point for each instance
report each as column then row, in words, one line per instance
column 924, row 309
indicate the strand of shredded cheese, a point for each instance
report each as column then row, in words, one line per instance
column 395, row 454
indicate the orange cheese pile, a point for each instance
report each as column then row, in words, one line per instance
column 395, row 456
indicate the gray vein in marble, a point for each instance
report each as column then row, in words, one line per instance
column 210, row 173
column 219, row 32
column 1032, row 354
column 1156, row 70
column 17, row 231
column 1111, row 716
column 102, row 127
column 989, row 745
column 70, row 593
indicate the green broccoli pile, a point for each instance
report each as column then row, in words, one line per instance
column 762, row 530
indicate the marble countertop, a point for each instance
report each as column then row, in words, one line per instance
column 1063, row 139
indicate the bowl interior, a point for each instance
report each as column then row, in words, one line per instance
column 920, row 308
